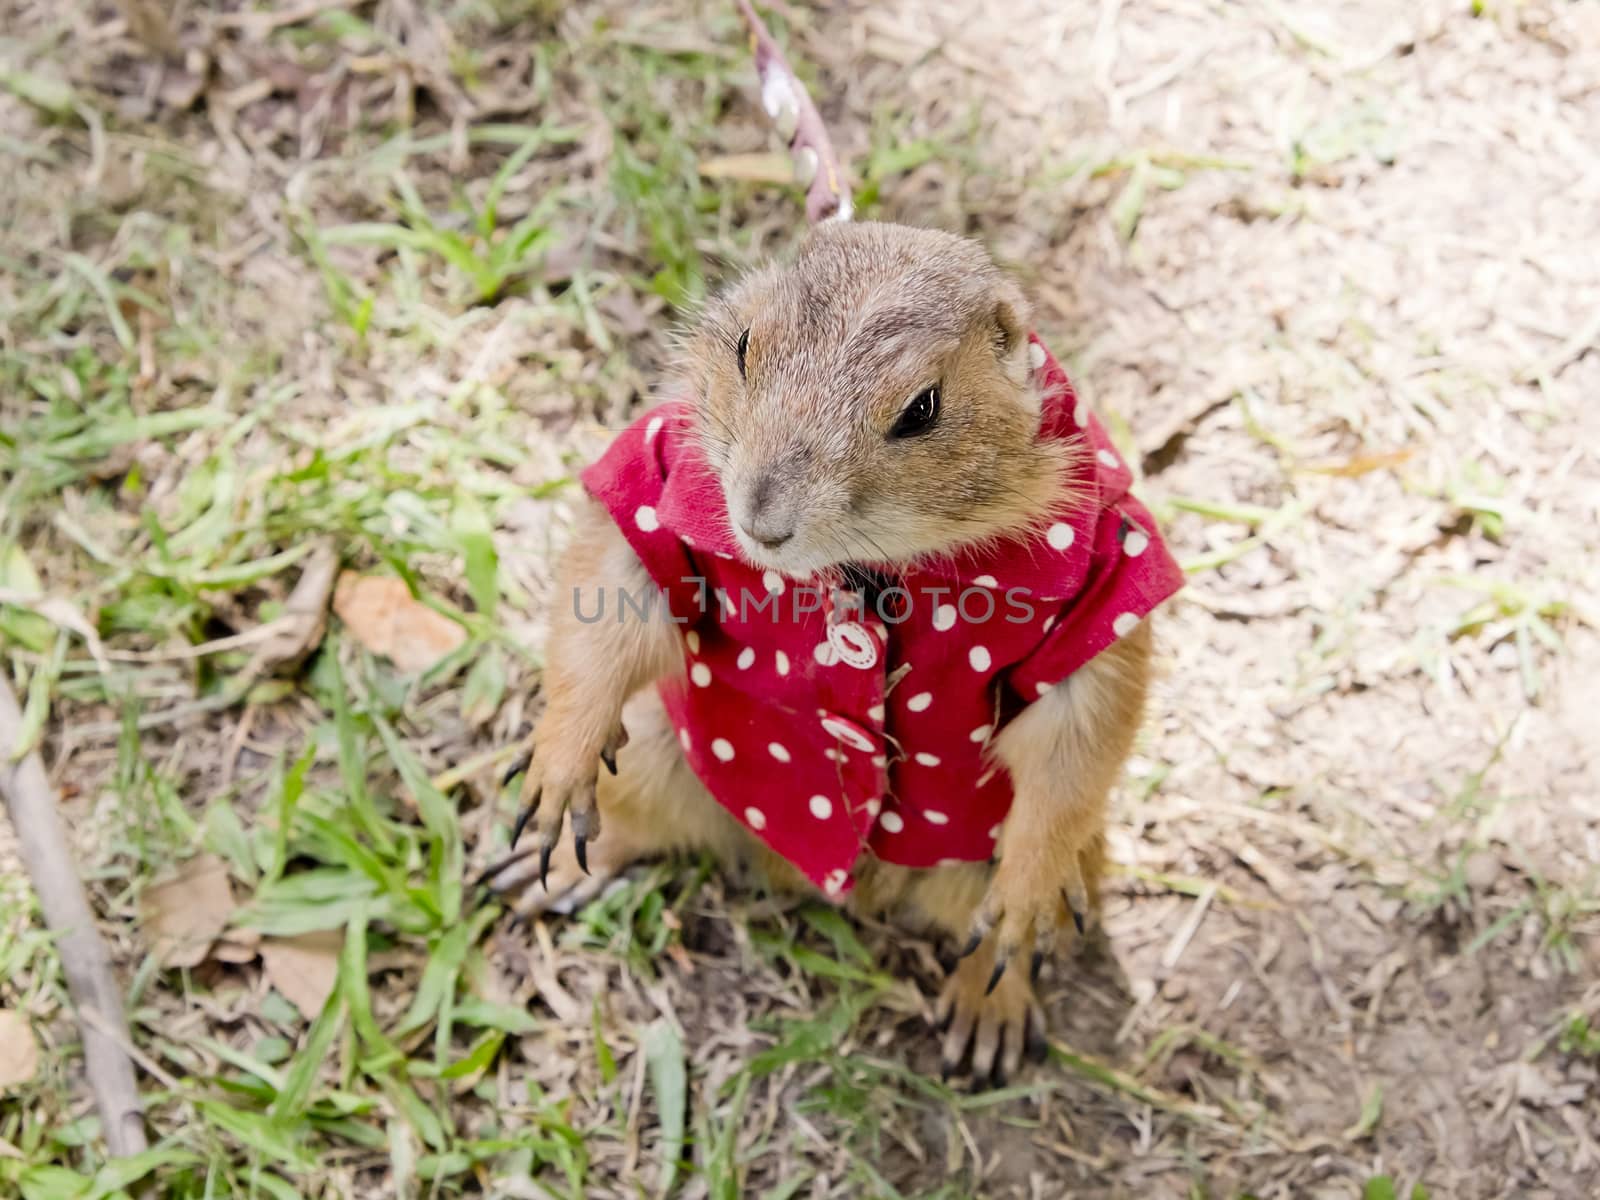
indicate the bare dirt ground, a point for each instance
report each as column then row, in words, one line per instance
column 1332, row 271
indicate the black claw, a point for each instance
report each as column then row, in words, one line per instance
column 994, row 979
column 580, row 845
column 1036, row 1046
column 518, row 766
column 609, row 757
column 544, row 864
column 946, row 1069
column 1077, row 917
column 1034, row 965
column 523, row 818
column 973, row 943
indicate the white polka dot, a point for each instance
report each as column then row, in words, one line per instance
column 821, row 807
column 920, row 701
column 782, row 661
column 979, row 657
column 1035, row 355
column 723, row 749
column 986, row 581
column 978, row 734
column 1041, row 689
column 892, row 821
column 1136, row 543
column 1050, row 622
column 833, row 882
column 876, row 712
column 846, row 734
column 692, row 640
column 701, row 674
column 645, row 518
column 653, row 428
column 944, row 617
column 772, row 581
column 1109, row 459
column 778, row 751
column 726, row 601
column 755, row 818
column 746, row 659
column 926, row 759
column 880, row 760
column 833, row 755
column 1080, row 414
column 874, row 807
column 994, row 832
column 1125, row 624
column 825, row 654
column 684, row 740
column 935, row 817
column 1060, row 536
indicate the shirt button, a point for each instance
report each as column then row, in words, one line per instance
column 853, row 644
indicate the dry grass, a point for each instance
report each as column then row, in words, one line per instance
column 382, row 273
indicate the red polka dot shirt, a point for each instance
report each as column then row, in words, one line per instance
column 835, row 722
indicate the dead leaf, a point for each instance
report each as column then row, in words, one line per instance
column 304, row 968
column 237, row 945
column 749, row 168
column 19, row 1050
column 381, row 614
column 185, row 914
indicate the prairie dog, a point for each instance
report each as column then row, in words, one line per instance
column 948, row 655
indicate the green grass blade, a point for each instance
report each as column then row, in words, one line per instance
column 669, row 1081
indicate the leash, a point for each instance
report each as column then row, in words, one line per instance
column 795, row 117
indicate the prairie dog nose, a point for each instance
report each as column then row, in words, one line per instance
column 770, row 518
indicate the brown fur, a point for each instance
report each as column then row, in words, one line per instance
column 865, row 317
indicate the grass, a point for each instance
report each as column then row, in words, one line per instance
column 170, row 513
column 383, row 344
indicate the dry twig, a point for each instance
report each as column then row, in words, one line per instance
column 31, row 804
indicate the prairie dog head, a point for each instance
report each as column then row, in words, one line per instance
column 871, row 401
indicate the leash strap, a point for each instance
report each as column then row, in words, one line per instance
column 795, row 117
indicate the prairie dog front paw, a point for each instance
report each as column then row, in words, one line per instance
column 559, row 773
column 1039, row 887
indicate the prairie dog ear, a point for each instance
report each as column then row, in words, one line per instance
column 1010, row 317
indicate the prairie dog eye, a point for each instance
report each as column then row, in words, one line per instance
column 919, row 415
column 744, row 345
